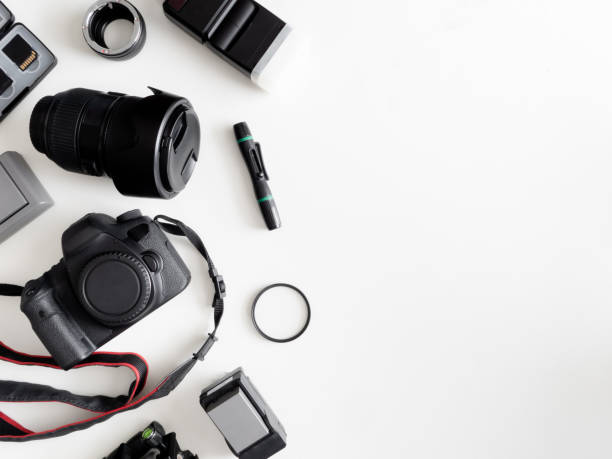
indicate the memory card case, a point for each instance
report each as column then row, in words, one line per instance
column 24, row 61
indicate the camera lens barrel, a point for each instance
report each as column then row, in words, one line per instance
column 148, row 146
column 61, row 127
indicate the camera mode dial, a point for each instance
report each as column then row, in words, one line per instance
column 115, row 288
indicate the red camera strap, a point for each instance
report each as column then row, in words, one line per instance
column 102, row 407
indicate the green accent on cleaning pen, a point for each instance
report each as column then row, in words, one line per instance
column 244, row 139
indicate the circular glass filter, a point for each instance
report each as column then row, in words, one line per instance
column 275, row 303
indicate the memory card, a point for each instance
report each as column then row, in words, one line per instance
column 20, row 52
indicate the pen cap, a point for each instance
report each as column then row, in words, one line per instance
column 242, row 130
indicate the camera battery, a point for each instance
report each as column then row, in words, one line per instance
column 24, row 61
column 23, row 196
column 248, row 424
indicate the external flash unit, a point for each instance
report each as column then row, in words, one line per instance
column 242, row 32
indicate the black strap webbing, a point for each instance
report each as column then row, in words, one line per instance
column 10, row 290
column 102, row 407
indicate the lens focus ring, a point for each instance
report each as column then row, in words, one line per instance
column 54, row 124
column 37, row 123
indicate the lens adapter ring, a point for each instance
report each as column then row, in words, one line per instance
column 281, row 340
column 100, row 15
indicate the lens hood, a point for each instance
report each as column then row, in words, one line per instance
column 166, row 146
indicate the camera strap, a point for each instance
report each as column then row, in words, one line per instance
column 102, row 407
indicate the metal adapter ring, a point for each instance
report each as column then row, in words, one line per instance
column 271, row 338
column 100, row 15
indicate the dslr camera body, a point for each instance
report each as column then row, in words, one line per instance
column 114, row 273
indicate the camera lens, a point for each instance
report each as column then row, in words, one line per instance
column 149, row 146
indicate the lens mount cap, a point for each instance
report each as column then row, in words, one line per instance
column 115, row 288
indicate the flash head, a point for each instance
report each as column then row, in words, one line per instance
column 244, row 33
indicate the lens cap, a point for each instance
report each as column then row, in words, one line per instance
column 160, row 162
column 115, row 288
column 180, row 146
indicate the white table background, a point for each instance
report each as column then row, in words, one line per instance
column 443, row 170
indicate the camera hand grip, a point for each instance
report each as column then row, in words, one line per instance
column 58, row 332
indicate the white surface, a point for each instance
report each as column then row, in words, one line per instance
column 443, row 173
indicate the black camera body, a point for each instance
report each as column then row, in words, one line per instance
column 114, row 273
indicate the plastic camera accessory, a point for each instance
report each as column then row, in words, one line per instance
column 151, row 443
column 253, row 157
column 104, row 12
column 24, row 61
column 242, row 32
column 248, row 424
column 22, row 197
column 291, row 338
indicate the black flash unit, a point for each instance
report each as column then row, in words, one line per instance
column 242, row 32
column 248, row 424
